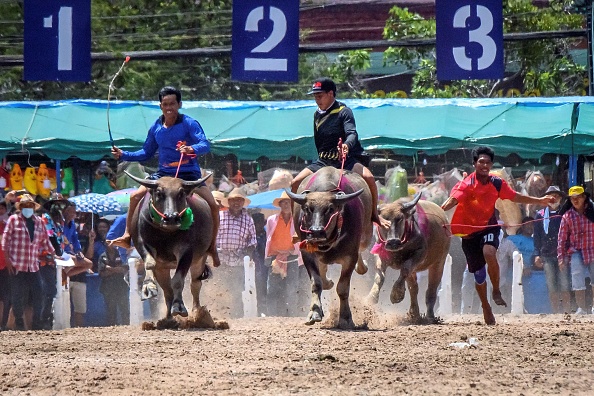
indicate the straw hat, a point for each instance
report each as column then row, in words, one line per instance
column 276, row 201
column 218, row 195
column 236, row 193
column 27, row 199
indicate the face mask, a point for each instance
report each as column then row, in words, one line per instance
column 27, row 212
column 554, row 206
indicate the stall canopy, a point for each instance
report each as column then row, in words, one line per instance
column 528, row 127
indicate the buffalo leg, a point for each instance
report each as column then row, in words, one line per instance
column 361, row 267
column 164, row 280
column 200, row 313
column 435, row 274
column 378, row 281
column 315, row 311
column 177, row 283
column 345, row 320
column 399, row 288
column 413, row 292
column 149, row 287
column 327, row 284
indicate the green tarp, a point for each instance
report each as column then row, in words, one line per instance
column 528, row 127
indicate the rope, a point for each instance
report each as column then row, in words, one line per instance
column 342, row 159
column 181, row 157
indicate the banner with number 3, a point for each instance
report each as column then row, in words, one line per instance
column 469, row 42
column 265, row 40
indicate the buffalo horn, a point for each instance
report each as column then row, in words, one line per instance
column 196, row 183
column 342, row 197
column 409, row 205
column 153, row 183
column 298, row 198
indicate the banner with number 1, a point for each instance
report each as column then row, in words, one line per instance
column 469, row 40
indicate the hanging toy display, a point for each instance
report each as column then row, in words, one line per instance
column 43, row 181
column 30, row 180
column 16, row 177
column 67, row 182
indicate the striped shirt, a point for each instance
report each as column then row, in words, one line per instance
column 235, row 233
column 576, row 233
column 17, row 245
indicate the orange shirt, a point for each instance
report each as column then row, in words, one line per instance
column 476, row 203
column 282, row 238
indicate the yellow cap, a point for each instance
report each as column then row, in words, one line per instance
column 576, row 190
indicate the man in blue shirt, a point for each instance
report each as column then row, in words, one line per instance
column 164, row 135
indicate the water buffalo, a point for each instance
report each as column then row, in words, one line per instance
column 172, row 229
column 418, row 239
column 333, row 220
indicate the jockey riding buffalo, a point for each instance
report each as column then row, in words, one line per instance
column 332, row 218
column 172, row 229
column 417, row 240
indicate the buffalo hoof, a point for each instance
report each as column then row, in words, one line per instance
column 327, row 284
column 149, row 289
column 361, row 267
column 346, row 324
column 398, row 292
column 313, row 317
column 178, row 308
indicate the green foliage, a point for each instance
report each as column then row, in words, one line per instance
column 544, row 66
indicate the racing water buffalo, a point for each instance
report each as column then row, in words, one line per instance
column 172, row 230
column 333, row 220
column 418, row 239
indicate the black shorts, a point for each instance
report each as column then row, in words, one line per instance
column 473, row 247
column 320, row 163
column 187, row 176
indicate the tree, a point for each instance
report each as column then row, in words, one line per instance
column 544, row 67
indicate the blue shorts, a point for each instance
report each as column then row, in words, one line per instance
column 349, row 163
column 557, row 281
column 187, row 176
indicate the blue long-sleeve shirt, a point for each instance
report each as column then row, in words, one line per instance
column 186, row 129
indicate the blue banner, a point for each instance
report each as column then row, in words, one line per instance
column 265, row 42
column 469, row 39
column 57, row 40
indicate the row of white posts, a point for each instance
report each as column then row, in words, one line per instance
column 517, row 298
column 62, row 302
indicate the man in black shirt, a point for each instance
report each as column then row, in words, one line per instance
column 333, row 120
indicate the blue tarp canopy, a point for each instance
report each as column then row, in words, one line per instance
column 528, row 127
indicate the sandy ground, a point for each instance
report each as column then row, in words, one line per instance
column 529, row 355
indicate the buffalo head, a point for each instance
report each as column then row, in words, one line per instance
column 403, row 227
column 321, row 214
column 168, row 202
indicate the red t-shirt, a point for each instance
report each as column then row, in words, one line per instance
column 476, row 203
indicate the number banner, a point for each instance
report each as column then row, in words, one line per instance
column 57, row 40
column 265, row 40
column 469, row 39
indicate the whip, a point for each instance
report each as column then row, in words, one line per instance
column 109, row 97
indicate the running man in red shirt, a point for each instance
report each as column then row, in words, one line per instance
column 474, row 220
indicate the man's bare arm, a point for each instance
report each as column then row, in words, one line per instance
column 449, row 204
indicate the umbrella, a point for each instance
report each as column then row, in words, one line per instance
column 100, row 204
column 122, row 196
column 264, row 200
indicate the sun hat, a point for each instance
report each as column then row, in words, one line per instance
column 554, row 190
column 27, row 199
column 284, row 195
column 323, row 84
column 57, row 199
column 218, row 195
column 576, row 190
column 236, row 193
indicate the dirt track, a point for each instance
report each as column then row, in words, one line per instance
column 530, row 355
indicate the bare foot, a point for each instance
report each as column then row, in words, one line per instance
column 498, row 299
column 124, row 241
column 488, row 316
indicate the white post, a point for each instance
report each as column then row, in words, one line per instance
column 517, row 303
column 445, row 290
column 250, row 306
column 136, row 311
column 61, row 303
